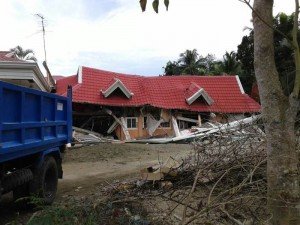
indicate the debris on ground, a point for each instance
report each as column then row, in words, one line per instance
column 159, row 172
column 86, row 137
column 222, row 182
column 204, row 131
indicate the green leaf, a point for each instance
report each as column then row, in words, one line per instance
column 155, row 4
column 166, row 4
column 143, row 4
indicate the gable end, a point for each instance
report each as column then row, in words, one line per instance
column 200, row 93
column 118, row 84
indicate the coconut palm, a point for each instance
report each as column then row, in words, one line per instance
column 189, row 62
column 230, row 65
column 24, row 54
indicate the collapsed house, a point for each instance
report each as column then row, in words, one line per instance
column 137, row 107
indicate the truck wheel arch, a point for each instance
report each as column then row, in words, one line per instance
column 57, row 155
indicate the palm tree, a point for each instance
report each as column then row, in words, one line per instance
column 189, row 62
column 24, row 54
column 230, row 65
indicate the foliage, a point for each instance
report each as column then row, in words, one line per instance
column 172, row 68
column 208, row 64
column 25, row 54
column 284, row 57
column 53, row 216
column 230, row 65
column 155, row 5
column 191, row 63
column 245, row 55
column 87, row 212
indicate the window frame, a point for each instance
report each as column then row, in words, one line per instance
column 131, row 119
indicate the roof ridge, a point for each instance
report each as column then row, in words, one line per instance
column 117, row 73
column 158, row 76
column 66, row 76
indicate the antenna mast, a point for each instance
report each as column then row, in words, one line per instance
column 50, row 79
column 43, row 29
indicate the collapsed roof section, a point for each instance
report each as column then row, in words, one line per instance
column 117, row 84
column 221, row 94
column 195, row 92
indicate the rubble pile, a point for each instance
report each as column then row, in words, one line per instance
column 84, row 137
column 222, row 182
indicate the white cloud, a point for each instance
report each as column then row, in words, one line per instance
column 124, row 34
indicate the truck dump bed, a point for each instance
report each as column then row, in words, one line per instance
column 32, row 121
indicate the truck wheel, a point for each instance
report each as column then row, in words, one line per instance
column 45, row 180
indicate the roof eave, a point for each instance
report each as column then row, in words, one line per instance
column 27, row 65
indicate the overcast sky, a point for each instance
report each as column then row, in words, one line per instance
column 115, row 35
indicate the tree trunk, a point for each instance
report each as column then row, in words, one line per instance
column 279, row 113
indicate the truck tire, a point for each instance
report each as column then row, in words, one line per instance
column 15, row 179
column 45, row 180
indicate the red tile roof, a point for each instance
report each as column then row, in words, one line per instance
column 168, row 92
column 62, row 84
column 192, row 89
column 57, row 77
column 5, row 56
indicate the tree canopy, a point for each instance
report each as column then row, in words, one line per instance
column 284, row 57
column 191, row 63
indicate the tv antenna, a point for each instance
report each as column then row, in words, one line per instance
column 43, row 30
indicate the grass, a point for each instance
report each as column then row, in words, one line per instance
column 84, row 213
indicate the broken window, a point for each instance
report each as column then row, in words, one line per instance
column 165, row 124
column 183, row 125
column 145, row 122
column 156, row 118
column 131, row 122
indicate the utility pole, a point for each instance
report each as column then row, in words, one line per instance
column 43, row 30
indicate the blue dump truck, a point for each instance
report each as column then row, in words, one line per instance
column 35, row 127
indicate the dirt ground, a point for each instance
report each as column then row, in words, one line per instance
column 85, row 168
column 88, row 168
